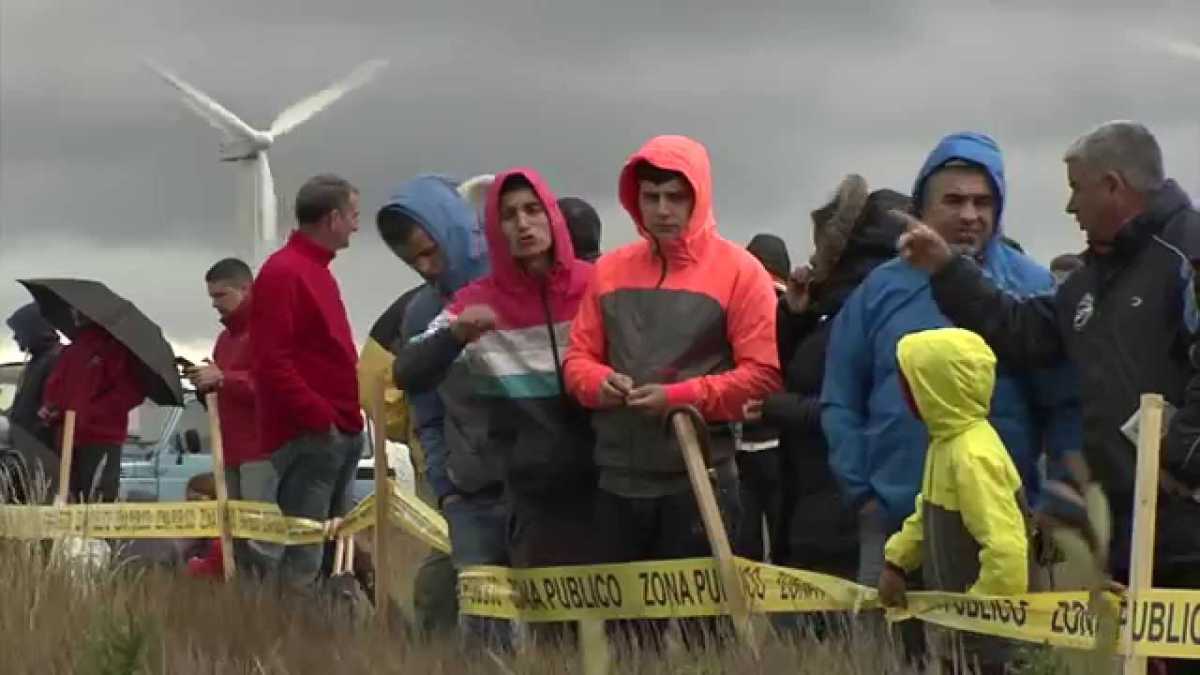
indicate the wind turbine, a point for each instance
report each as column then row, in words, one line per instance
column 247, row 147
column 1183, row 49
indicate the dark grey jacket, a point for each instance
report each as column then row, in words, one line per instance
column 1126, row 320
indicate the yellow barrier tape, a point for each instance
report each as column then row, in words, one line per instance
column 1166, row 623
column 181, row 520
column 418, row 519
column 663, row 589
column 1059, row 619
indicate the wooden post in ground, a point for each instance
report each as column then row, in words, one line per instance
column 1145, row 505
column 684, row 424
column 383, row 493
column 218, row 456
column 593, row 647
column 64, row 461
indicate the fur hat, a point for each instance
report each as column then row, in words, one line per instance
column 833, row 224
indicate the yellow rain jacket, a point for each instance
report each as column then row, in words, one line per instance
column 968, row 532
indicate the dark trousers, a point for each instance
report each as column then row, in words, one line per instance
column 630, row 529
column 86, row 485
column 661, row 528
column 761, row 493
column 546, row 531
column 551, row 531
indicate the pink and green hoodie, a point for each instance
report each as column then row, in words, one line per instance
column 540, row 437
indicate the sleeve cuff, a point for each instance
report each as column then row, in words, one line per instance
column 442, row 488
column 683, row 393
column 959, row 268
column 590, row 396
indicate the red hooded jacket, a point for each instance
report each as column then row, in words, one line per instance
column 98, row 378
column 696, row 313
column 236, row 398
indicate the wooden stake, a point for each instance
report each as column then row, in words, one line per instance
column 1145, row 508
column 64, row 461
column 593, row 647
column 383, row 493
column 714, row 526
column 218, row 455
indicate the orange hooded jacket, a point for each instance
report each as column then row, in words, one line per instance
column 696, row 313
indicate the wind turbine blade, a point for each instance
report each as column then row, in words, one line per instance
column 1161, row 43
column 300, row 112
column 266, row 201
column 204, row 106
column 1182, row 48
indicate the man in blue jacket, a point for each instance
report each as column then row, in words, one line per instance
column 434, row 230
column 877, row 445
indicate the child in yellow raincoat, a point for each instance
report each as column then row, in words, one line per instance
column 968, row 532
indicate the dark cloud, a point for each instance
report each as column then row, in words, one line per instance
column 103, row 173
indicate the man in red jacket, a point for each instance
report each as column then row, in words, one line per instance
column 248, row 469
column 682, row 317
column 304, row 367
column 98, row 378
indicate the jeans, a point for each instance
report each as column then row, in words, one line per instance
column 254, row 482
column 873, row 533
column 478, row 536
column 315, row 472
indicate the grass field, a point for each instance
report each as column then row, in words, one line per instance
column 122, row 619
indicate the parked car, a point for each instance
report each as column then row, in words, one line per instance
column 10, row 376
column 167, row 446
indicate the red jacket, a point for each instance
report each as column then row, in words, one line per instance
column 235, row 398
column 98, row 378
column 304, row 360
column 209, row 564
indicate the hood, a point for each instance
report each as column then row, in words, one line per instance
column 434, row 202
column 855, row 224
column 518, row 299
column 951, row 373
column 505, row 269
column 973, row 148
column 689, row 157
column 772, row 252
column 585, row 227
column 31, row 330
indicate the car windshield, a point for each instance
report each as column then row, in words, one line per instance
column 149, row 422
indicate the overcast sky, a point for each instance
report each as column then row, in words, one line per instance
column 103, row 174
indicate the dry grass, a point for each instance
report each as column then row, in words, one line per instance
column 130, row 620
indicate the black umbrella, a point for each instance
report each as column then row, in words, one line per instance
column 118, row 316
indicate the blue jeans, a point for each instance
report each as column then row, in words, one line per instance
column 315, row 472
column 254, row 482
column 479, row 536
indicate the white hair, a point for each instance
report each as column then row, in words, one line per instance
column 1128, row 148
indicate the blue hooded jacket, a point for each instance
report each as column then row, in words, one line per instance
column 434, row 202
column 877, row 446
